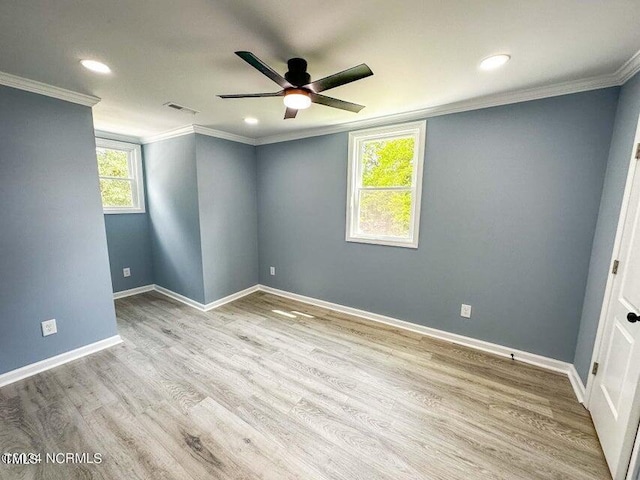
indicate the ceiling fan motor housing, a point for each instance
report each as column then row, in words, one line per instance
column 297, row 74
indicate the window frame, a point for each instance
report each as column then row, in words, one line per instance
column 134, row 157
column 417, row 130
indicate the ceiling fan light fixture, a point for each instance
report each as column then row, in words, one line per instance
column 297, row 99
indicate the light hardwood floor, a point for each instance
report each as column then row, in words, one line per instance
column 245, row 392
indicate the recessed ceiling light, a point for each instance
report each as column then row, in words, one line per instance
column 494, row 61
column 95, row 66
column 251, row 121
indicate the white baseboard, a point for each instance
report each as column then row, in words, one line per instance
column 34, row 368
column 522, row 356
column 180, row 298
column 500, row 350
column 133, row 291
column 43, row 365
column 576, row 383
column 231, row 298
column 209, row 306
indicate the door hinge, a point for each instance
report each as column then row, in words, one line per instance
column 594, row 370
column 638, row 152
column 616, row 263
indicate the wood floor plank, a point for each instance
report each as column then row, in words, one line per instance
column 270, row 388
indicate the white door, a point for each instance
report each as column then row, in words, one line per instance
column 615, row 401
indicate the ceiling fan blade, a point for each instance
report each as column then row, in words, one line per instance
column 258, row 64
column 290, row 113
column 253, row 95
column 335, row 103
column 341, row 78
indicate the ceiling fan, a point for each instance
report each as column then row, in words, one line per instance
column 297, row 88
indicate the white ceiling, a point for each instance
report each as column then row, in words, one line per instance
column 423, row 53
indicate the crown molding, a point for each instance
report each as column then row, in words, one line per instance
column 224, row 135
column 478, row 103
column 176, row 132
column 199, row 129
column 619, row 77
column 629, row 69
column 20, row 83
column 117, row 136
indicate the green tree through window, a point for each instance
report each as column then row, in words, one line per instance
column 115, row 178
column 385, row 200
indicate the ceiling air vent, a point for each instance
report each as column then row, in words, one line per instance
column 181, row 108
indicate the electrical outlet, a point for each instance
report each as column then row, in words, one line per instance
column 49, row 327
column 465, row 311
column 126, row 272
column 272, row 270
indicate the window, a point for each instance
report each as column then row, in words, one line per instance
column 120, row 172
column 384, row 185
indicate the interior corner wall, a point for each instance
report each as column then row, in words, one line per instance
column 174, row 219
column 228, row 215
column 509, row 209
column 616, row 175
column 53, row 249
column 129, row 243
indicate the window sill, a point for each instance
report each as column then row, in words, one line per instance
column 120, row 211
column 384, row 242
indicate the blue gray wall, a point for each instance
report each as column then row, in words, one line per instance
column 228, row 215
column 129, row 244
column 621, row 148
column 172, row 203
column 509, row 209
column 53, row 249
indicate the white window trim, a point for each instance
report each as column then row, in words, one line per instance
column 418, row 131
column 137, row 184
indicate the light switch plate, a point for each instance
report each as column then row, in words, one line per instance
column 465, row 311
column 272, row 270
column 126, row 272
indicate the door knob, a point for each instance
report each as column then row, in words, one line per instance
column 632, row 317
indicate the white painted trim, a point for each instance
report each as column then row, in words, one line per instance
column 634, row 462
column 230, row 298
column 180, row 298
column 619, row 77
column 629, row 69
column 134, row 159
column 417, row 130
column 633, row 472
column 209, row 306
column 117, row 136
column 34, row 368
column 522, row 356
column 614, row 255
column 500, row 350
column 576, row 383
column 133, row 291
column 478, row 103
column 224, row 135
column 176, row 132
column 40, row 88
column 49, row 363
column 188, row 129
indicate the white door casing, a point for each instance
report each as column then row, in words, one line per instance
column 614, row 399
